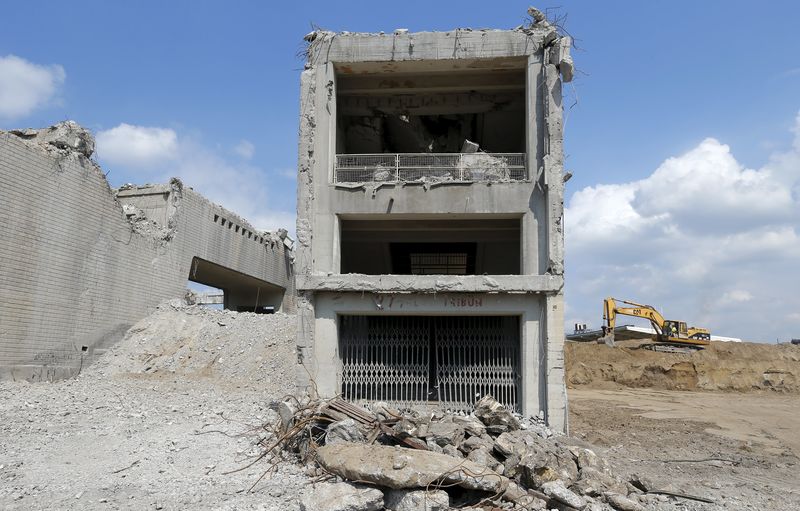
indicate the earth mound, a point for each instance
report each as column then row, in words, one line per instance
column 722, row 366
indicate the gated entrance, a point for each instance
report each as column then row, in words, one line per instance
column 452, row 360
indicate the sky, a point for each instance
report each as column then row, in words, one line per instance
column 682, row 128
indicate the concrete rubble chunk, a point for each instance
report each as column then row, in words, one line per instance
column 541, row 466
column 495, row 416
column 286, row 410
column 471, row 424
column 485, row 167
column 343, row 431
column 399, row 468
column 512, row 443
column 469, row 147
column 476, row 442
column 598, row 506
column 537, row 15
column 405, row 426
column 68, row 135
column 342, row 497
column 593, row 482
column 643, row 482
column 416, row 500
column 557, row 491
column 382, row 174
column 560, row 56
column 622, row 503
column 452, row 450
column 132, row 212
column 481, row 457
column 383, row 411
column 586, row 458
column 444, row 433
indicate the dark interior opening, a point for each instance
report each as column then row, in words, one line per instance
column 431, row 247
column 240, row 292
column 433, row 258
column 434, row 110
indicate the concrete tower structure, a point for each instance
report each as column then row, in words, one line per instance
column 430, row 233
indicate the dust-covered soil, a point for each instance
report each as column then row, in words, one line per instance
column 157, row 422
column 171, row 417
column 722, row 366
column 739, row 450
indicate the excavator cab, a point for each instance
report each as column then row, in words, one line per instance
column 677, row 329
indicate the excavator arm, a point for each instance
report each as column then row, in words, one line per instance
column 610, row 311
column 639, row 310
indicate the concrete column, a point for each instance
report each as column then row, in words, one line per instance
column 327, row 364
column 531, row 360
column 557, row 408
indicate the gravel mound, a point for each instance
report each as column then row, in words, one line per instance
column 230, row 348
column 166, row 419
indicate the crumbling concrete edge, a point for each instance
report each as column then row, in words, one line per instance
column 397, row 284
column 304, row 231
column 557, row 407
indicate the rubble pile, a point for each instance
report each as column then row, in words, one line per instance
column 491, row 459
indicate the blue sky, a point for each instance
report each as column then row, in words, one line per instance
column 211, row 91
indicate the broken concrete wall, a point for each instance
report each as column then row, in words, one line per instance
column 77, row 270
column 229, row 243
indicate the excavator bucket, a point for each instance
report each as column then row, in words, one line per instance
column 607, row 338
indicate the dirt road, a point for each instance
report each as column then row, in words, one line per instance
column 740, row 450
column 761, row 418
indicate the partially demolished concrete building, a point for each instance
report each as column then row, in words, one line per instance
column 430, row 199
column 80, row 263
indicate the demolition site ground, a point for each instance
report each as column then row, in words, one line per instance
column 171, row 418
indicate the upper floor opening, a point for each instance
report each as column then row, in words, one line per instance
column 462, row 120
column 429, row 246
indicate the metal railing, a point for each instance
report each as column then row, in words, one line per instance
column 409, row 167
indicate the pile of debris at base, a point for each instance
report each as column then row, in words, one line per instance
column 492, row 459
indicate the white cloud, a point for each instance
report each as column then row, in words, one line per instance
column 735, row 296
column 137, row 146
column 703, row 236
column 25, row 86
column 242, row 188
column 245, row 149
column 153, row 154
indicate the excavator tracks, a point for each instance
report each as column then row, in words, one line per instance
column 665, row 347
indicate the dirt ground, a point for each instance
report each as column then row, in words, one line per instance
column 720, row 423
column 740, row 450
column 157, row 422
column 168, row 419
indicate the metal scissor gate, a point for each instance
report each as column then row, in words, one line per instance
column 452, row 360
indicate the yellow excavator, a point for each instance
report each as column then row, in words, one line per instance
column 670, row 335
